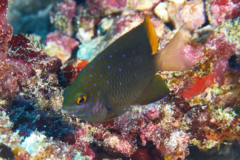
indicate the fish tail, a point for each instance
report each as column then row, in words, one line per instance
column 171, row 57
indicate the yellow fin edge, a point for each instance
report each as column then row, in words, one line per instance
column 152, row 36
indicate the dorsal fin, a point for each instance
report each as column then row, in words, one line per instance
column 141, row 39
column 152, row 36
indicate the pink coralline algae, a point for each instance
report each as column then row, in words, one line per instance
column 64, row 16
column 221, row 11
column 85, row 27
column 190, row 11
column 67, row 9
column 22, row 64
column 116, row 136
column 166, row 124
column 23, row 61
column 22, row 49
column 83, row 143
column 220, row 51
column 202, row 108
column 11, row 75
column 106, row 7
column 60, row 45
column 126, row 22
column 5, row 30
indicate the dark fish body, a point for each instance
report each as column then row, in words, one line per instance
column 121, row 75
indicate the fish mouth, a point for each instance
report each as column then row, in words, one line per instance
column 77, row 110
column 90, row 111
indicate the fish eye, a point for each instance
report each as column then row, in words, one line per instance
column 81, row 99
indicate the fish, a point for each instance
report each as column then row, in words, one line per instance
column 124, row 74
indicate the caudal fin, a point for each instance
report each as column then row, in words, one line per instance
column 171, row 58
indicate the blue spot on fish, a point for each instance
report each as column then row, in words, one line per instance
column 120, row 69
column 109, row 67
column 100, row 67
column 133, row 51
column 115, row 50
column 123, row 55
column 90, row 75
column 130, row 63
column 99, row 58
column 101, row 75
column 79, row 85
column 107, row 81
column 92, row 66
column 95, row 84
column 110, row 56
column 86, row 82
column 85, row 88
column 95, row 73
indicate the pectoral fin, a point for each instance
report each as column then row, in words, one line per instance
column 114, row 112
column 155, row 92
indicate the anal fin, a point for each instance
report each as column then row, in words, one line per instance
column 154, row 92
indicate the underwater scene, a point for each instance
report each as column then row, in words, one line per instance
column 119, row 79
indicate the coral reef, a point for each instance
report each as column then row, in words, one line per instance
column 106, row 7
column 71, row 70
column 221, row 11
column 190, row 11
column 201, row 110
column 85, row 27
column 60, row 46
column 62, row 19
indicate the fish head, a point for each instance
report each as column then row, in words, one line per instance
column 86, row 106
